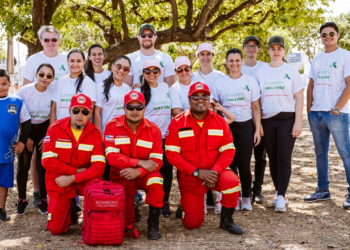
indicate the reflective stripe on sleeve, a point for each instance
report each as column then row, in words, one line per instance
column 157, row 156
column 226, row 147
column 49, row 154
column 95, row 158
column 172, row 148
column 145, row 144
column 155, row 180
column 187, row 133
column 119, row 141
column 216, row 132
column 231, row 190
column 112, row 150
column 61, row 144
column 85, row 147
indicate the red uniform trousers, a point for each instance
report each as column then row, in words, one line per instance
column 59, row 208
column 152, row 183
column 192, row 198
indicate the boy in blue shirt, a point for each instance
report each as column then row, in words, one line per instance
column 13, row 113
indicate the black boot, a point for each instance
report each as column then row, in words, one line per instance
column 227, row 223
column 153, row 223
column 178, row 212
column 137, row 212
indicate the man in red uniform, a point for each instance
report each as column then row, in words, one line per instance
column 134, row 151
column 73, row 158
column 199, row 144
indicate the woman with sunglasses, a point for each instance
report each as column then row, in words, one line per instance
column 240, row 94
column 179, row 91
column 158, row 111
column 110, row 97
column 37, row 97
column 74, row 83
column 206, row 72
column 282, row 109
column 94, row 69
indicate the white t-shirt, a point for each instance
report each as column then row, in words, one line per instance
column 59, row 63
column 99, row 77
column 237, row 95
column 66, row 88
column 329, row 70
column 251, row 71
column 137, row 59
column 179, row 95
column 114, row 106
column 158, row 109
column 209, row 79
column 38, row 103
column 277, row 87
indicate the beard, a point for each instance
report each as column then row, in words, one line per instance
column 147, row 47
column 78, row 127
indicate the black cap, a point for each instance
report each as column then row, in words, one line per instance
column 251, row 38
column 147, row 26
column 276, row 40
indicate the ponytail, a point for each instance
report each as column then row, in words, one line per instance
column 145, row 89
column 107, row 83
column 90, row 69
column 81, row 77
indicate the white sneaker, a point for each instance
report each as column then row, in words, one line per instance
column 239, row 203
column 218, row 206
column 280, row 205
column 273, row 204
column 205, row 207
column 246, row 204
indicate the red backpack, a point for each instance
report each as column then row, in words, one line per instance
column 104, row 209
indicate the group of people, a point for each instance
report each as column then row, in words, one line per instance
column 132, row 124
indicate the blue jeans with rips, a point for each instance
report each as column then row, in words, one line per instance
column 322, row 124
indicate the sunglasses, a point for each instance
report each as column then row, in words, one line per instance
column 133, row 107
column 247, row 46
column 119, row 66
column 148, row 71
column 76, row 111
column 331, row 34
column 48, row 76
column 197, row 97
column 143, row 35
column 47, row 40
column 187, row 69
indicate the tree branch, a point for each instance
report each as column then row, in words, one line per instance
column 203, row 17
column 124, row 24
column 214, row 10
column 175, row 14
column 189, row 14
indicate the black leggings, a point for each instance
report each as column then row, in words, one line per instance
column 279, row 144
column 167, row 173
column 243, row 138
column 37, row 133
column 260, row 165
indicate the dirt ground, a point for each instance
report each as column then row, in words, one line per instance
column 320, row 225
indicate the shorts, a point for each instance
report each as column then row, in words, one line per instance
column 7, row 175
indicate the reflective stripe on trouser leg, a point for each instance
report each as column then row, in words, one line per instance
column 152, row 183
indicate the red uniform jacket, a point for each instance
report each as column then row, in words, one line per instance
column 62, row 155
column 124, row 148
column 188, row 146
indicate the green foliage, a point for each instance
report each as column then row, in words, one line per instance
column 343, row 22
column 3, row 53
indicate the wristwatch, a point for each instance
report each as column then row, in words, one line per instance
column 336, row 110
column 196, row 173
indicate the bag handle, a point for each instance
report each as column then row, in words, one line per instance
column 130, row 231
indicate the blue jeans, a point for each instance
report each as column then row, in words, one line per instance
column 322, row 124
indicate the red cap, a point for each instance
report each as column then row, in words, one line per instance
column 81, row 100
column 198, row 87
column 134, row 96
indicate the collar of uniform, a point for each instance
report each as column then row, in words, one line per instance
column 122, row 122
column 65, row 124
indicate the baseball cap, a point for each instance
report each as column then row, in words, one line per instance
column 205, row 47
column 198, row 87
column 81, row 100
column 134, row 96
column 276, row 40
column 251, row 38
column 182, row 60
column 147, row 26
column 151, row 63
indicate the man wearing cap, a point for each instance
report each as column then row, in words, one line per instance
column 147, row 38
column 73, row 158
column 134, row 151
column 199, row 144
column 251, row 47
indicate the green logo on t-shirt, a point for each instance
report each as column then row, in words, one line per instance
column 161, row 64
column 246, row 87
column 286, row 77
column 62, row 67
column 333, row 65
column 167, row 95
